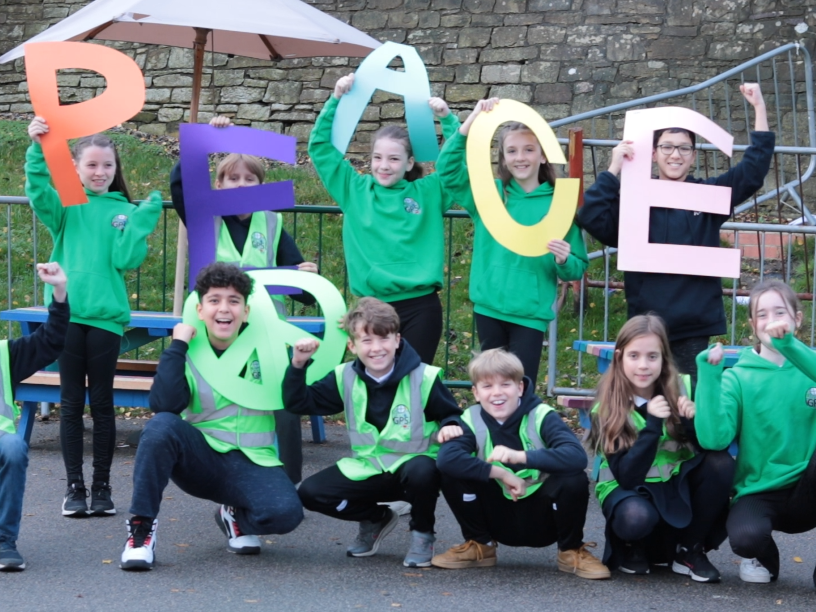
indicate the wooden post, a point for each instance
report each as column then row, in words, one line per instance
column 576, row 159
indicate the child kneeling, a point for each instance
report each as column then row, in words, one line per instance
column 394, row 406
column 521, row 444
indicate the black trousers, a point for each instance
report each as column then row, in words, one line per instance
column 524, row 342
column 556, row 512
column 290, row 449
column 753, row 518
column 93, row 352
column 421, row 323
column 685, row 353
column 415, row 481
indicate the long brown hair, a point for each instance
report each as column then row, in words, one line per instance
column 400, row 134
column 546, row 172
column 612, row 429
column 787, row 294
column 102, row 141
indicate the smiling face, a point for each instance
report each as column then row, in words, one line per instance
column 96, row 167
column 223, row 310
column 389, row 161
column 376, row 353
column 676, row 166
column 770, row 308
column 498, row 396
column 642, row 361
column 522, row 155
column 239, row 175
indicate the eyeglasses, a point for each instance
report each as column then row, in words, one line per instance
column 667, row 149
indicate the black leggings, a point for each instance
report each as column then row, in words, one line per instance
column 685, row 353
column 421, row 323
column 93, row 352
column 753, row 518
column 524, row 342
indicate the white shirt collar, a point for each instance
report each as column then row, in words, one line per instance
column 381, row 378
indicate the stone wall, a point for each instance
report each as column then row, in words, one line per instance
column 560, row 56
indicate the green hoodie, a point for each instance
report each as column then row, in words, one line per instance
column 769, row 409
column 95, row 243
column 505, row 285
column 394, row 237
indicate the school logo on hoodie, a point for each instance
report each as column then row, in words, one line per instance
column 411, row 206
column 119, row 222
column 810, row 397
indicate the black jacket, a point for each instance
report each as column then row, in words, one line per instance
column 29, row 354
column 692, row 306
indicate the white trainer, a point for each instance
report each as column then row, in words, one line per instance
column 140, row 548
column 752, row 570
column 237, row 542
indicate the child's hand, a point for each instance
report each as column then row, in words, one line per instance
column 686, row 407
column 184, row 332
column 752, row 93
column 515, row 485
column 715, row 354
column 439, row 107
column 449, row 432
column 624, row 151
column 52, row 274
column 220, row 121
column 303, row 351
column 343, row 85
column 502, row 454
column 37, row 128
column 658, row 407
column 482, row 105
column 307, row 266
column 777, row 329
column 560, row 249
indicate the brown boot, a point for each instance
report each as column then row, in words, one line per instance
column 582, row 563
column 469, row 554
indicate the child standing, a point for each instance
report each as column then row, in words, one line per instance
column 692, row 306
column 19, row 359
column 394, row 407
column 522, row 445
column 96, row 244
column 766, row 403
column 513, row 295
column 663, row 499
column 393, row 234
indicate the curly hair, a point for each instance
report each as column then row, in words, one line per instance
column 221, row 275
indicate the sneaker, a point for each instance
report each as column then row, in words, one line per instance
column 469, row 554
column 10, row 559
column 140, row 548
column 74, row 503
column 237, row 542
column 752, row 570
column 421, row 551
column 634, row 560
column 371, row 534
column 694, row 563
column 582, row 563
column 101, row 502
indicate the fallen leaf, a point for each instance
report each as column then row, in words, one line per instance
column 107, row 561
column 396, row 605
column 410, row 574
column 447, row 594
column 250, row 601
column 797, row 559
column 182, row 545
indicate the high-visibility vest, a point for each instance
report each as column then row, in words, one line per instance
column 8, row 409
column 259, row 251
column 228, row 426
column 530, row 434
column 406, row 434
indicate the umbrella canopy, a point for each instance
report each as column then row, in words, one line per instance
column 264, row 29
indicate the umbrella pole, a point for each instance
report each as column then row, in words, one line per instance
column 181, row 244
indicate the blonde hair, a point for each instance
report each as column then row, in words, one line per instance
column 228, row 164
column 376, row 316
column 495, row 362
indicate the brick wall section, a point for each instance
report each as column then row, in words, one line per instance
column 560, row 56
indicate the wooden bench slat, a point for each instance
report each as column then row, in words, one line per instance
column 120, row 381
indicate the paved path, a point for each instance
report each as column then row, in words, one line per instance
column 73, row 563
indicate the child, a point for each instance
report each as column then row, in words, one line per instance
column 766, row 403
column 513, row 295
column 211, row 445
column 394, row 406
column 393, row 234
column 19, row 359
column 692, row 306
column 522, row 445
column 96, row 244
column 655, row 488
column 256, row 240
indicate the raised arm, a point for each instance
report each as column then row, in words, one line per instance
column 717, row 402
column 130, row 247
column 43, row 197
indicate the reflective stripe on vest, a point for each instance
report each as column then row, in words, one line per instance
column 209, row 412
column 7, row 407
column 663, row 471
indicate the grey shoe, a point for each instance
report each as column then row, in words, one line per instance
column 371, row 534
column 10, row 559
column 421, row 551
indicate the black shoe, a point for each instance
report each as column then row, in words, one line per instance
column 694, row 563
column 634, row 560
column 101, row 502
column 74, row 503
column 10, row 559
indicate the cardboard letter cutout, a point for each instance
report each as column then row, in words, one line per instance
column 528, row 240
column 203, row 203
column 639, row 193
column 121, row 100
column 412, row 84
